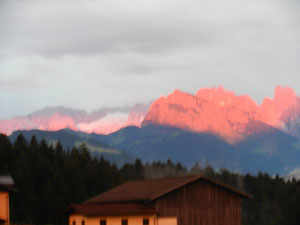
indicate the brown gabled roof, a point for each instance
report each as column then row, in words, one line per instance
column 148, row 190
column 112, row 209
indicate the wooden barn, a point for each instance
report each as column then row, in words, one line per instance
column 192, row 200
column 6, row 186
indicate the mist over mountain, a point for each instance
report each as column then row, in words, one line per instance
column 103, row 121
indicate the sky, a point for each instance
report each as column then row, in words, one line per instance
column 110, row 53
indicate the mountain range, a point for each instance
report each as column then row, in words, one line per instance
column 224, row 114
column 214, row 127
column 103, row 121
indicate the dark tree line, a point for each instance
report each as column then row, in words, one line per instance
column 48, row 179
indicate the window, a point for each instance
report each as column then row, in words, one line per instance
column 124, row 222
column 82, row 222
column 102, row 222
column 145, row 221
column 74, row 222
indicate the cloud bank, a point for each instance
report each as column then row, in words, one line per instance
column 93, row 54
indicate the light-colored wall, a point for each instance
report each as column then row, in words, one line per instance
column 167, row 221
column 116, row 220
column 4, row 206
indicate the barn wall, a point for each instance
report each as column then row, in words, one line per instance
column 201, row 203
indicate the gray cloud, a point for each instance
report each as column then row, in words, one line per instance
column 93, row 54
column 98, row 27
column 83, row 116
column 21, row 83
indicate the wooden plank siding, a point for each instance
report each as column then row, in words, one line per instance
column 201, row 203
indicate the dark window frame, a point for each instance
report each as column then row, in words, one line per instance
column 124, row 222
column 146, row 221
column 103, row 222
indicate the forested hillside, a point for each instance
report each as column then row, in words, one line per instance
column 48, row 179
column 272, row 152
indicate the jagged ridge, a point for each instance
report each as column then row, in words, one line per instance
column 223, row 113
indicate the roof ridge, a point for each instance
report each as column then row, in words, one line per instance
column 177, row 186
column 163, row 178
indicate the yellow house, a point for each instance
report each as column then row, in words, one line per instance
column 117, row 214
column 6, row 184
column 192, row 200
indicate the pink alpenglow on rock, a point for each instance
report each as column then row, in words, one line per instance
column 212, row 110
column 52, row 119
column 223, row 113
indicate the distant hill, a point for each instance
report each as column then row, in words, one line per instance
column 268, row 149
column 69, row 139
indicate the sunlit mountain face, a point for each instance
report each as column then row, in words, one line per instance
column 104, row 121
column 211, row 110
column 221, row 112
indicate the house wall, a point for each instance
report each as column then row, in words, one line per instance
column 112, row 220
column 201, row 203
column 4, row 206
